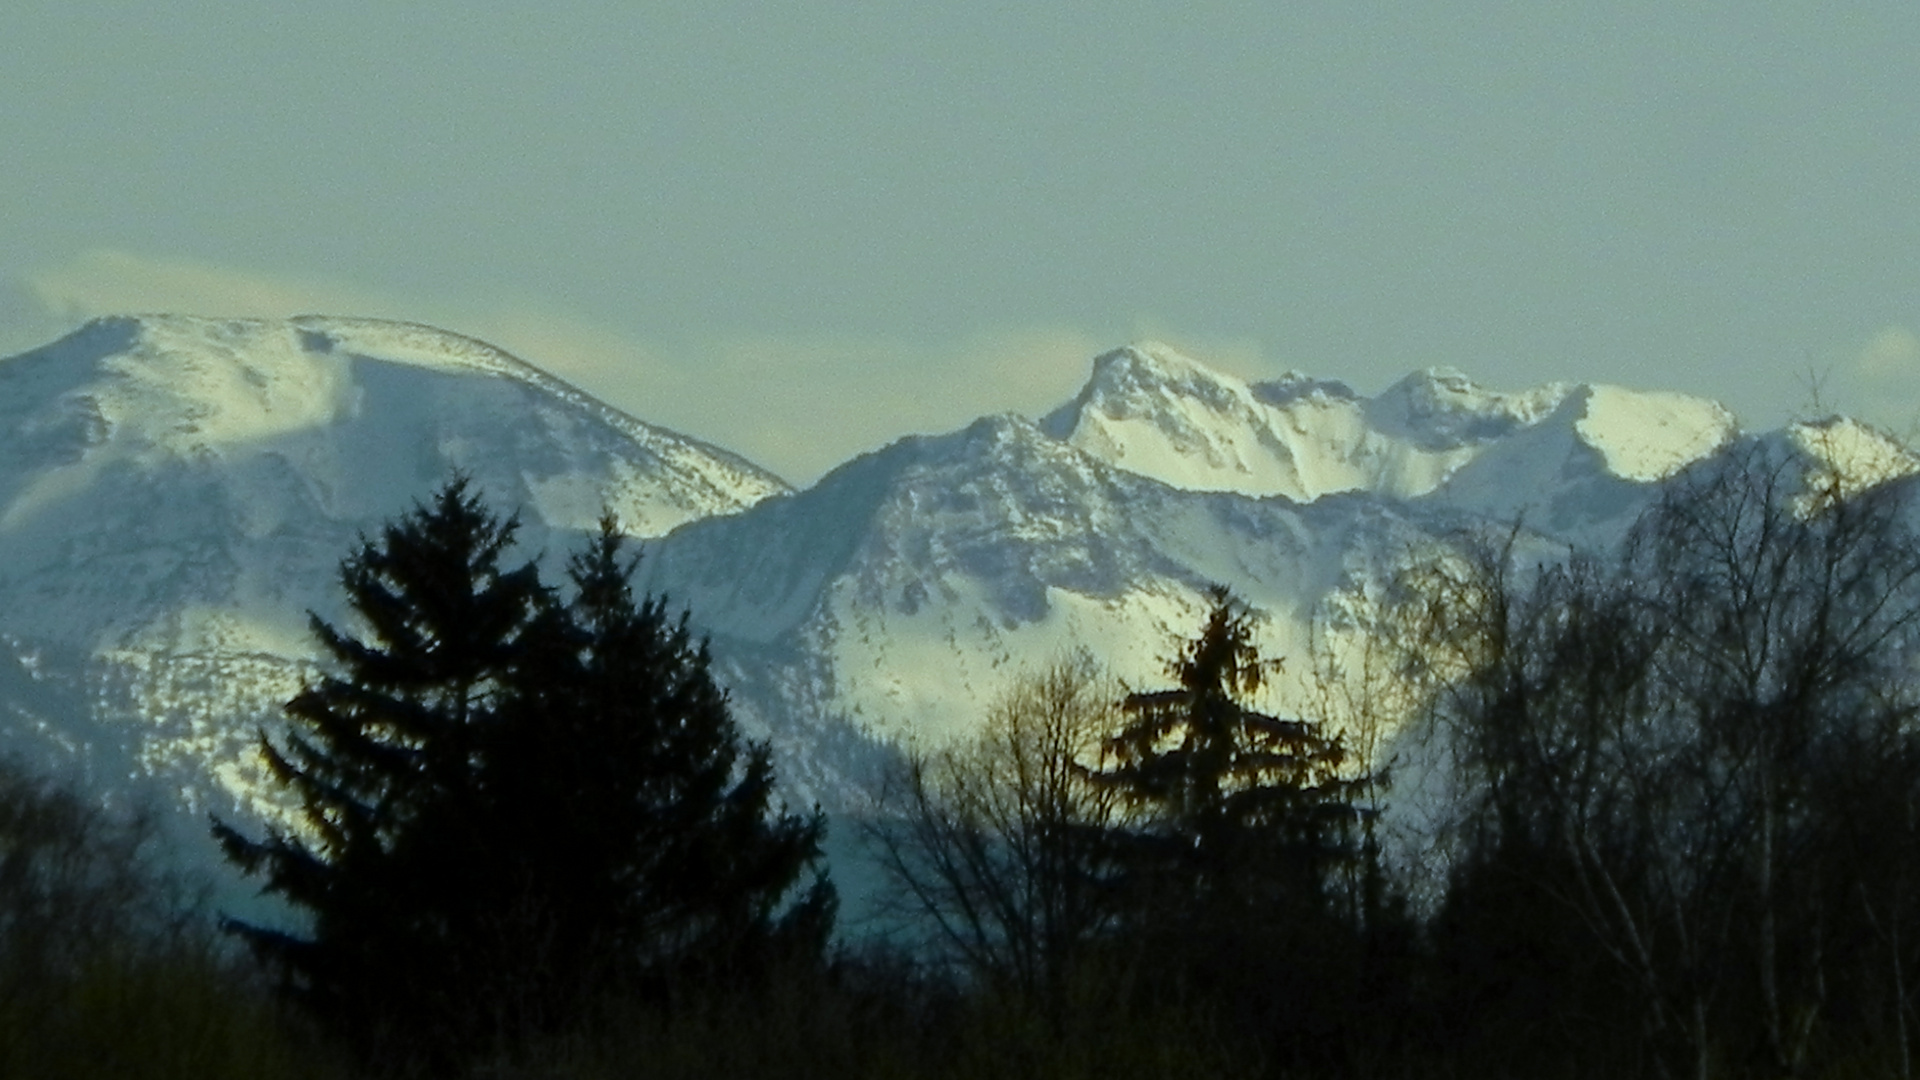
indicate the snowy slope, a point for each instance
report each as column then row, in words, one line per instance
column 176, row 493
column 906, row 588
column 1151, row 411
column 179, row 464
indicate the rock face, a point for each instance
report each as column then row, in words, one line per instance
column 176, row 494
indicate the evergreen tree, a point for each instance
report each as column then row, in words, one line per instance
column 640, row 833
column 1232, row 798
column 1243, row 822
column 510, row 804
column 381, row 753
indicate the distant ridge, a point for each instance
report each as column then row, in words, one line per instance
column 1152, row 411
column 176, row 494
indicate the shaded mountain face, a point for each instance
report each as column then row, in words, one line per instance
column 176, row 493
column 909, row 586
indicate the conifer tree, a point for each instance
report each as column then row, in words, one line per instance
column 1242, row 822
column 379, row 763
column 640, row 830
column 1228, row 793
column 512, row 804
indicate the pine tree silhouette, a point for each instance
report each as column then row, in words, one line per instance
column 510, row 805
column 1231, row 871
column 1226, row 790
column 639, row 827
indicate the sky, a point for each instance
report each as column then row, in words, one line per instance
column 800, row 230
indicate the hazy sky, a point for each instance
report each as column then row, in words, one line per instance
column 801, row 229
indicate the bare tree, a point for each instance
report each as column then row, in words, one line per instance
column 996, row 844
column 80, row 883
column 1674, row 746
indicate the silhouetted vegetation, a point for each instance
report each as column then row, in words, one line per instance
column 1679, row 840
column 514, row 806
column 107, row 965
column 1164, row 853
column 1237, row 855
column 1688, row 778
column 1001, row 848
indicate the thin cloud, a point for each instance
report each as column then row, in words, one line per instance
column 1893, row 353
column 106, row 282
column 25, row 321
column 810, row 403
column 1877, row 380
column 797, row 405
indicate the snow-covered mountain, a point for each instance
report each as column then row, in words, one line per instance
column 176, row 493
column 906, row 587
column 1151, row 411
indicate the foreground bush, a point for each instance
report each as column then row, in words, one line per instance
column 151, row 1015
column 108, row 968
column 882, row 1022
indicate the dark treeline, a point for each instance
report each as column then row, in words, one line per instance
column 1676, row 813
column 1675, row 793
column 1688, row 781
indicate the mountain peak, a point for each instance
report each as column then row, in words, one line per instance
column 335, row 417
column 1148, row 382
column 175, row 493
column 1149, row 367
column 1294, row 386
column 1149, row 410
column 1857, row 454
column 1441, row 408
column 1148, row 355
column 414, row 343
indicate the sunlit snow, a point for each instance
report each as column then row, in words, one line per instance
column 176, row 493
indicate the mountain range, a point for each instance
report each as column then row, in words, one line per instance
column 176, row 494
